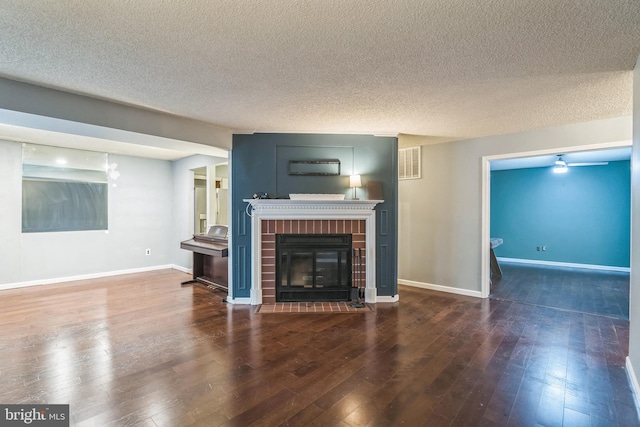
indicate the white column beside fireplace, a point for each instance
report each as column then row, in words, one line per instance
column 284, row 209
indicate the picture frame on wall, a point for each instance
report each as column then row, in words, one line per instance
column 320, row 167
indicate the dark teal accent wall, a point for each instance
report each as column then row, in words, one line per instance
column 259, row 164
column 582, row 216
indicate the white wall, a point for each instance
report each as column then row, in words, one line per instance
column 139, row 208
column 634, row 297
column 141, row 216
column 440, row 215
column 10, row 212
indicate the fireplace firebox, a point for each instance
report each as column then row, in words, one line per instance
column 313, row 267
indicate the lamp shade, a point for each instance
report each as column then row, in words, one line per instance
column 355, row 181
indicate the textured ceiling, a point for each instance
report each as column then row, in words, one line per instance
column 449, row 69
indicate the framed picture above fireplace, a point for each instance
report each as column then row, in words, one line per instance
column 319, row 167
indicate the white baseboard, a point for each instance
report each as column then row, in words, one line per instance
column 82, row 277
column 385, row 298
column 183, row 269
column 564, row 264
column 635, row 387
column 239, row 301
column 440, row 288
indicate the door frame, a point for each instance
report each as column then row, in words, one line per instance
column 485, row 234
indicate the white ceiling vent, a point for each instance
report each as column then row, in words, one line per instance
column 409, row 163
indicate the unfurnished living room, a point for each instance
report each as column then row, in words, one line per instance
column 320, row 213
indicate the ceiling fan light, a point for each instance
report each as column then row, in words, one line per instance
column 560, row 169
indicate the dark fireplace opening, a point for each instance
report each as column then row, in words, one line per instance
column 313, row 267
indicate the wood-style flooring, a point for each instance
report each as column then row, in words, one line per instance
column 141, row 350
column 586, row 291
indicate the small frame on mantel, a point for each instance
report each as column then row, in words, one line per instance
column 374, row 190
column 320, row 167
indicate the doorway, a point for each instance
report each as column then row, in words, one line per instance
column 210, row 197
column 220, row 193
column 564, row 234
column 200, row 200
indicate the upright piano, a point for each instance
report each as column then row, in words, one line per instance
column 210, row 257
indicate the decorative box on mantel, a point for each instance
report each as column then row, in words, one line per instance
column 272, row 216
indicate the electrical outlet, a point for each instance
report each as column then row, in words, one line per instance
column 538, row 248
column 147, row 252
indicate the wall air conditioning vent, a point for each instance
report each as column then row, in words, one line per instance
column 409, row 163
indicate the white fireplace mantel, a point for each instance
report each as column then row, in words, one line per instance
column 312, row 209
column 266, row 209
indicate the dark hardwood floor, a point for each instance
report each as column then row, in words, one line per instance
column 586, row 291
column 142, row 350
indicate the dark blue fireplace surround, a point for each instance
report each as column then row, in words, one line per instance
column 259, row 165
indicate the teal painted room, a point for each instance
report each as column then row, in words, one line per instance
column 581, row 217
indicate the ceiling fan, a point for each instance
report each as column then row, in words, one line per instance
column 561, row 166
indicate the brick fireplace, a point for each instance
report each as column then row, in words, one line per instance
column 270, row 228
column 278, row 216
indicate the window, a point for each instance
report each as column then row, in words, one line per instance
column 63, row 189
column 409, row 163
